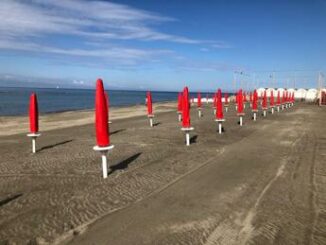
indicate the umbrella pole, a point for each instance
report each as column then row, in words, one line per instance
column 34, row 137
column 104, row 151
column 104, row 164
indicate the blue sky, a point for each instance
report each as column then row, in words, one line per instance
column 163, row 45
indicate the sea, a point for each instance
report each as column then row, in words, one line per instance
column 14, row 101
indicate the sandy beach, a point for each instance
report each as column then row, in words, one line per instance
column 263, row 183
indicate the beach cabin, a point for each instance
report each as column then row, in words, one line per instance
column 300, row 94
column 281, row 91
column 291, row 90
column 260, row 92
column 269, row 92
column 311, row 95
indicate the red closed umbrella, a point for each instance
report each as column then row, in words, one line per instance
column 264, row 105
column 239, row 99
column 149, row 103
column 199, row 100
column 255, row 101
column 219, row 106
column 271, row 99
column 185, row 109
column 214, row 101
column 101, row 116
column 226, row 98
column 33, row 114
column 278, row 101
column 180, row 102
column 283, row 97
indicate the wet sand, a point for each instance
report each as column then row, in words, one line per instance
column 263, row 183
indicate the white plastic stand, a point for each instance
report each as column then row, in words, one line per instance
column 187, row 131
column 214, row 111
column 226, row 108
column 179, row 116
column 151, row 120
column 272, row 109
column 33, row 136
column 278, row 108
column 255, row 114
column 264, row 112
column 103, row 151
column 219, row 121
column 241, row 119
column 199, row 112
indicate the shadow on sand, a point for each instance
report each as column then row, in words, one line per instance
column 124, row 164
column 117, row 131
column 9, row 199
column 193, row 139
column 54, row 145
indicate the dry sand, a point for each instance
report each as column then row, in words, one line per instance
column 16, row 125
column 263, row 183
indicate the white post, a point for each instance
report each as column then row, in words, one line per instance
column 236, row 107
column 226, row 109
column 187, row 138
column 34, row 145
column 199, row 113
column 151, row 121
column 220, row 128
column 214, row 111
column 272, row 110
column 278, row 108
column 179, row 117
column 255, row 116
column 104, row 165
column 240, row 120
column 264, row 113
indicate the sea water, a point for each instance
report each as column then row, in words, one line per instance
column 14, row 101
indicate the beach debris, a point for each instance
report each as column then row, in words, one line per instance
column 199, row 105
column 219, row 117
column 33, row 121
column 102, row 126
column 179, row 111
column 186, row 127
column 264, row 104
column 150, row 114
column 226, row 102
column 254, row 105
column 240, row 111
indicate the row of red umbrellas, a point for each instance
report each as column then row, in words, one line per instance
column 183, row 107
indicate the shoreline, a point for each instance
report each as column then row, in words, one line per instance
column 12, row 125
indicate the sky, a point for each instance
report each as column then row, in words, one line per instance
column 162, row 45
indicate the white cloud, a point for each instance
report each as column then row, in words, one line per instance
column 37, row 25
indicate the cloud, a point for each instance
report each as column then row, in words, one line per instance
column 89, row 32
column 86, row 19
